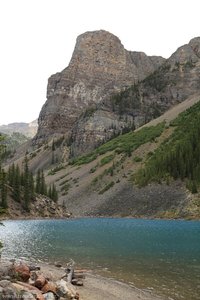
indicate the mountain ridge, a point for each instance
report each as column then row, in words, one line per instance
column 27, row 129
column 107, row 90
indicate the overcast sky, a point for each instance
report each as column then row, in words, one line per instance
column 38, row 38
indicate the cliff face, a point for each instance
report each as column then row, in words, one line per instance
column 100, row 66
column 107, row 90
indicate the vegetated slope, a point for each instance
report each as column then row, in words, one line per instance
column 178, row 156
column 100, row 183
column 21, row 196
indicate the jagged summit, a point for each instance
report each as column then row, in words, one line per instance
column 187, row 53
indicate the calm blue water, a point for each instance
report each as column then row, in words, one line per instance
column 154, row 254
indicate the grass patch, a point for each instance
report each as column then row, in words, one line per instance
column 65, row 187
column 105, row 160
column 62, row 177
column 3, row 211
column 63, row 182
column 55, row 170
column 137, row 159
column 125, row 143
column 106, row 188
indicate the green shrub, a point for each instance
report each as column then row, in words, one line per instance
column 105, row 160
column 137, row 159
column 125, row 143
column 107, row 187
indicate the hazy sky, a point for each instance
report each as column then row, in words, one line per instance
column 38, row 38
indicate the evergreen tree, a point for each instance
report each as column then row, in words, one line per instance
column 50, row 192
column 43, row 188
column 54, row 193
column 11, row 175
column 27, row 194
column 38, row 182
column 32, row 186
column 3, row 187
column 17, row 184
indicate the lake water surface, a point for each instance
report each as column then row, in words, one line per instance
column 151, row 254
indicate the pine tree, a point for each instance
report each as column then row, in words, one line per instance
column 38, row 182
column 17, row 185
column 27, row 194
column 3, row 186
column 54, row 194
column 11, row 175
column 50, row 192
column 32, row 186
column 43, row 188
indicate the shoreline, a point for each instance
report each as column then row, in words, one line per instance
column 97, row 286
column 31, row 218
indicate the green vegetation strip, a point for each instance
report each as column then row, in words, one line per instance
column 125, row 143
column 106, row 188
column 178, row 157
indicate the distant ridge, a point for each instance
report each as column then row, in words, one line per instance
column 27, row 129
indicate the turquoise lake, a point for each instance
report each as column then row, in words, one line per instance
column 160, row 255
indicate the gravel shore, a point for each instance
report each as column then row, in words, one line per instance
column 101, row 288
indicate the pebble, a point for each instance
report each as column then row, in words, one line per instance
column 49, row 296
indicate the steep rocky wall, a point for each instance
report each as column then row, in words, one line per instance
column 99, row 67
column 106, row 89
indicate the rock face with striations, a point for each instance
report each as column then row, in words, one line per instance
column 107, row 90
column 99, row 67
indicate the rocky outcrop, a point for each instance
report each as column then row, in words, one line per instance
column 41, row 207
column 100, row 66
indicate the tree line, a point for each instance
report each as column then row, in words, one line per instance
column 22, row 185
column 179, row 156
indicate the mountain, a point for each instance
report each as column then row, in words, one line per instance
column 105, row 182
column 106, row 116
column 27, row 129
column 76, row 97
column 107, row 90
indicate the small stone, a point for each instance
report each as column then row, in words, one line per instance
column 34, row 268
column 77, row 282
column 58, row 265
column 49, row 287
column 4, row 283
column 40, row 281
column 27, row 296
column 49, row 296
column 6, row 278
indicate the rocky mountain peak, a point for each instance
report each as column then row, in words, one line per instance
column 98, row 52
column 187, row 53
column 195, row 45
column 100, row 66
